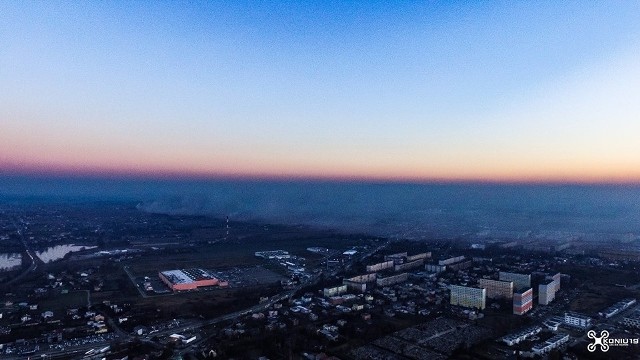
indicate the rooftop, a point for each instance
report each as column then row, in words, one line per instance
column 185, row 276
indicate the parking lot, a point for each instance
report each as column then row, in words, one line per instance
column 247, row 276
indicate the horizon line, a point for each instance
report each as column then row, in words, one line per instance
column 247, row 177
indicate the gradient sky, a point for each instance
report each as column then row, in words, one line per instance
column 411, row 90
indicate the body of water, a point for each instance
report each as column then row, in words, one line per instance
column 59, row 251
column 9, row 261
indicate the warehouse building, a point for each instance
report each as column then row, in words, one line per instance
column 187, row 279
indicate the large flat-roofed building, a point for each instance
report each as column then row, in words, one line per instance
column 392, row 280
column 401, row 258
column 521, row 335
column 432, row 268
column 557, row 278
column 577, row 320
column 522, row 301
column 359, row 283
column 554, row 342
column 273, row 254
column 451, row 260
column 187, row 279
column 468, row 297
column 380, row 266
column 335, row 291
column 398, row 258
column 519, row 280
column 461, row 265
column 617, row 308
column 497, row 289
column 632, row 320
column 409, row 265
column 546, row 292
column 419, row 256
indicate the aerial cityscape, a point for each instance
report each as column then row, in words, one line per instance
column 319, row 180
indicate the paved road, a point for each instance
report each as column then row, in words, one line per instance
column 133, row 281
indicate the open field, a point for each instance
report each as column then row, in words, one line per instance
column 62, row 302
column 237, row 252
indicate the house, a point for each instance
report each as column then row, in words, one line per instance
column 47, row 314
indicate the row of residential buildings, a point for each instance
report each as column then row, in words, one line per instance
column 511, row 286
column 397, row 262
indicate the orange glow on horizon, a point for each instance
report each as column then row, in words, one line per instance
column 505, row 176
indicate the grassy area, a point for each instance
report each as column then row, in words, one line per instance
column 597, row 287
column 73, row 299
column 203, row 258
column 231, row 253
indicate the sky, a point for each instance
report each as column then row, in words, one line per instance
column 481, row 91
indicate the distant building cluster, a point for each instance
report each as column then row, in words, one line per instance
column 273, row 254
column 509, row 285
column 404, row 257
column 621, row 254
column 375, row 275
column 453, row 263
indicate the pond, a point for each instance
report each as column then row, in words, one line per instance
column 59, row 251
column 9, row 261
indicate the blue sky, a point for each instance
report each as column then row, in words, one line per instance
column 439, row 90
